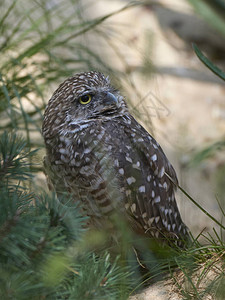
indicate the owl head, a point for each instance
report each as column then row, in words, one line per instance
column 83, row 97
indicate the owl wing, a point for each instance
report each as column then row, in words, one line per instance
column 150, row 198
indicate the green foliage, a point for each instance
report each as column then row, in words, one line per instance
column 107, row 280
column 207, row 152
column 202, row 270
column 39, row 257
column 208, row 63
column 212, row 11
column 13, row 157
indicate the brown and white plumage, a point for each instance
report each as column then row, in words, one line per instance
column 98, row 153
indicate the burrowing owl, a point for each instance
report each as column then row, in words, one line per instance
column 99, row 154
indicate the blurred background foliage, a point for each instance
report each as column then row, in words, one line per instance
column 42, row 43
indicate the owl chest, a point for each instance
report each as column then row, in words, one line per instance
column 78, row 183
column 76, row 166
column 94, row 158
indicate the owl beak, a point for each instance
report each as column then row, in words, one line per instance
column 110, row 99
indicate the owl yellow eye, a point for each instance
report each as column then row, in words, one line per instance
column 85, row 99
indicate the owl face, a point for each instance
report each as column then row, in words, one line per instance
column 86, row 96
column 95, row 102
